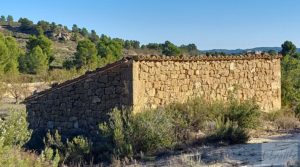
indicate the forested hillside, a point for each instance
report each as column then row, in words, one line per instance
column 41, row 46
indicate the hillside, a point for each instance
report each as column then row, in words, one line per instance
column 62, row 49
column 65, row 40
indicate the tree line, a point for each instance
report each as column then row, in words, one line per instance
column 92, row 50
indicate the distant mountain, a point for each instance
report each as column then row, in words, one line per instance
column 238, row 51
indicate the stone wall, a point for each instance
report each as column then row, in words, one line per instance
column 160, row 82
column 77, row 107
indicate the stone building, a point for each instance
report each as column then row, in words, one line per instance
column 77, row 106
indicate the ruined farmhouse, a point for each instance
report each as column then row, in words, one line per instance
column 77, row 106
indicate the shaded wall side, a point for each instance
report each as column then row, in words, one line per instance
column 162, row 82
column 77, row 109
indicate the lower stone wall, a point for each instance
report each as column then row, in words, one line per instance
column 78, row 108
column 158, row 83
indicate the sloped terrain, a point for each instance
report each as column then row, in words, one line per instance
column 62, row 49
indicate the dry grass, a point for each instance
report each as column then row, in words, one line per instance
column 16, row 157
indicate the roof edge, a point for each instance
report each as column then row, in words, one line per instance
column 204, row 57
column 78, row 79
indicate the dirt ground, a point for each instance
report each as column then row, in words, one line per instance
column 276, row 150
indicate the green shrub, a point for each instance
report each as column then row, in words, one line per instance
column 147, row 131
column 193, row 115
column 150, row 131
column 51, row 155
column 78, row 150
column 229, row 132
column 246, row 113
column 14, row 129
column 117, row 132
column 54, row 141
column 14, row 134
column 153, row 130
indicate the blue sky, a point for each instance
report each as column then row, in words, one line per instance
column 228, row 24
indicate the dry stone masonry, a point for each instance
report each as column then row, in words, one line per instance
column 79, row 105
column 161, row 81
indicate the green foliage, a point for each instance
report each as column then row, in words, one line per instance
column 78, row 150
column 131, row 44
column 117, row 132
column 44, row 25
column 2, row 20
column 75, row 28
column 86, row 55
column 14, row 134
column 93, row 36
column 246, row 114
column 153, row 46
column 273, row 52
column 44, row 43
column 51, row 155
column 26, row 24
column 288, row 48
column 54, row 142
column 9, row 54
column 84, row 32
column 196, row 113
column 10, row 20
column 34, row 62
column 190, row 49
column 153, row 131
column 16, row 157
column 147, row 131
column 169, row 49
column 290, row 80
column 38, row 56
column 229, row 132
column 39, row 30
column 193, row 116
column 14, row 129
column 109, row 49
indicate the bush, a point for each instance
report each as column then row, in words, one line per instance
column 193, row 116
column 14, row 129
column 287, row 123
column 51, row 155
column 76, row 151
column 229, row 132
column 14, row 134
column 153, row 130
column 126, row 134
column 284, row 119
column 198, row 114
column 147, row 131
column 246, row 114
column 117, row 132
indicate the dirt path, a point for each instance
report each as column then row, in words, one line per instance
column 275, row 150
